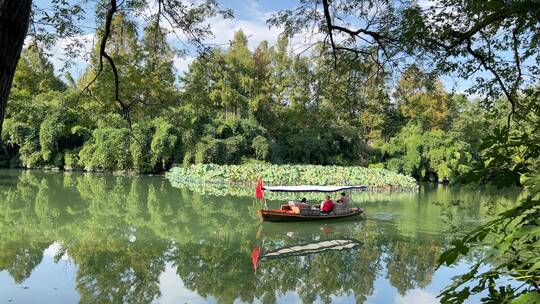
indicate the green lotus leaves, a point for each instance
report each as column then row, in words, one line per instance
column 246, row 175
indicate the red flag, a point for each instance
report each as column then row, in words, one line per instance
column 259, row 193
column 255, row 257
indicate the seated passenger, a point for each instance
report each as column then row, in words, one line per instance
column 344, row 198
column 327, row 205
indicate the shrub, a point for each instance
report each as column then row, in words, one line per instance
column 86, row 154
column 165, row 144
column 80, row 134
column 51, row 132
column 16, row 132
column 209, row 151
column 26, row 138
column 394, row 164
column 260, row 147
column 376, row 166
column 188, row 159
column 109, row 149
column 140, row 148
column 235, row 148
column 224, row 131
column 71, row 160
column 57, row 162
column 250, row 161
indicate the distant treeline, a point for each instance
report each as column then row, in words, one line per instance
column 239, row 106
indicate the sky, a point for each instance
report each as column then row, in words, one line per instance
column 250, row 16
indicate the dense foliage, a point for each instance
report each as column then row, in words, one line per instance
column 292, row 175
column 512, row 237
column 239, row 106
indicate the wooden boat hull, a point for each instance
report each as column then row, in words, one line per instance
column 287, row 216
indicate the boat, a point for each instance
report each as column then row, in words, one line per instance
column 288, row 216
column 297, row 211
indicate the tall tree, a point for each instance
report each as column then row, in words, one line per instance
column 450, row 36
column 235, row 87
column 66, row 17
column 262, row 104
column 14, row 17
column 422, row 98
column 35, row 73
column 146, row 65
column 158, row 70
column 123, row 48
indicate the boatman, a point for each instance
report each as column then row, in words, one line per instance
column 344, row 198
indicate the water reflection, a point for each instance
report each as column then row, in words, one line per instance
column 123, row 235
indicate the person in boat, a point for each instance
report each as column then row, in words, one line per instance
column 327, row 205
column 304, row 201
column 344, row 198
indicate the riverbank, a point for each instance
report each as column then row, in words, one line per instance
column 246, row 175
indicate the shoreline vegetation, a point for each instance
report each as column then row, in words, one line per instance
column 212, row 176
column 242, row 106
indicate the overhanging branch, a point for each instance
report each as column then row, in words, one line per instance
column 103, row 54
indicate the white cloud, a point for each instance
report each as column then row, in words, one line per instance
column 181, row 64
column 53, row 250
column 417, row 296
column 173, row 289
column 425, row 4
column 256, row 31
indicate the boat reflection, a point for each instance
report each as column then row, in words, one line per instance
column 311, row 248
column 303, row 249
column 287, row 242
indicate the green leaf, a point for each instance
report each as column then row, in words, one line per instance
column 448, row 257
column 532, row 297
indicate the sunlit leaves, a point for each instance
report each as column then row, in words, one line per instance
column 514, row 236
column 292, row 175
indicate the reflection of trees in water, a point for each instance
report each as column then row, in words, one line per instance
column 121, row 232
column 411, row 263
column 120, row 272
column 19, row 259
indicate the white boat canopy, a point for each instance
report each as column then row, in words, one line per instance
column 307, row 188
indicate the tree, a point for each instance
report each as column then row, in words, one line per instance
column 14, row 17
column 66, row 17
column 145, row 65
column 450, row 36
column 235, row 86
column 35, row 73
column 422, row 99
column 262, row 104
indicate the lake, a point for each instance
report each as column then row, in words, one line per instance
column 99, row 238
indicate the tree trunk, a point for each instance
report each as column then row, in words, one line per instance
column 14, row 19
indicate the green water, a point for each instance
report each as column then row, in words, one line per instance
column 91, row 238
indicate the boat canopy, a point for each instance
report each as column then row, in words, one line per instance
column 306, row 188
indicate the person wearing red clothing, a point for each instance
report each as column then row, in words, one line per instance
column 327, row 205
